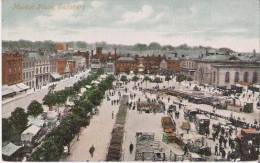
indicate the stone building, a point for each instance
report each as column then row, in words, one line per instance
column 42, row 68
column 12, row 68
column 80, row 63
column 188, row 68
column 225, row 70
column 29, row 71
column 225, row 75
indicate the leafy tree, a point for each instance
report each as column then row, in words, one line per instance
column 123, row 78
column 19, row 119
column 135, row 78
column 49, row 151
column 6, row 129
column 140, row 46
column 35, row 108
column 50, row 100
column 147, row 78
column 154, row 46
column 95, row 96
column 181, row 78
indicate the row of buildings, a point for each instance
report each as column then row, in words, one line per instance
column 37, row 68
column 34, row 69
column 219, row 70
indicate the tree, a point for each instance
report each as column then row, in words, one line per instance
column 154, row 46
column 140, row 46
column 147, row 78
column 181, row 78
column 19, row 119
column 49, row 151
column 35, row 108
column 49, row 100
column 123, row 78
column 135, row 79
column 6, row 129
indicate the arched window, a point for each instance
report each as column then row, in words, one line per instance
column 236, row 79
column 246, row 77
column 227, row 77
column 254, row 77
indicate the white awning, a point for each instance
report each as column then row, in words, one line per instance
column 56, row 76
column 15, row 88
column 22, row 86
column 10, row 149
column 6, row 90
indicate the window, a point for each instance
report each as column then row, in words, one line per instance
column 227, row 77
column 246, row 77
column 254, row 77
column 236, row 79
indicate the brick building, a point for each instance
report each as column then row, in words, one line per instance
column 65, row 67
column 12, row 68
column 149, row 64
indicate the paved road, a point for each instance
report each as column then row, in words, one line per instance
column 24, row 101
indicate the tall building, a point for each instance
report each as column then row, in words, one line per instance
column 12, row 68
column 29, row 71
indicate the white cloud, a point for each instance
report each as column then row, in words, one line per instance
column 96, row 4
column 133, row 17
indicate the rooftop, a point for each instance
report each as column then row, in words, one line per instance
column 10, row 149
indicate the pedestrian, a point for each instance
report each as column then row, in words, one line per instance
column 92, row 150
column 228, row 156
column 185, row 149
column 223, row 153
column 131, row 148
column 112, row 114
column 216, row 149
column 225, row 142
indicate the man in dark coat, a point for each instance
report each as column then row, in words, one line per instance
column 92, row 150
column 131, row 148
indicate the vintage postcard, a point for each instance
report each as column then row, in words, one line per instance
column 130, row 80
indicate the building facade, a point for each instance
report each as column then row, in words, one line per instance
column 42, row 69
column 188, row 68
column 80, row 63
column 12, row 68
column 225, row 75
column 29, row 71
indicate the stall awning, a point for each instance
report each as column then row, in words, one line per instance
column 6, row 90
column 22, row 86
column 56, row 76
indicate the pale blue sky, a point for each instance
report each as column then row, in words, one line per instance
column 217, row 23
